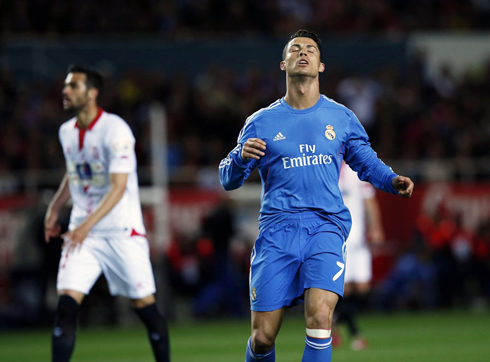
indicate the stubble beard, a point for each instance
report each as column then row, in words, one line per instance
column 76, row 108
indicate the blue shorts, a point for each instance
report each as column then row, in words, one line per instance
column 303, row 251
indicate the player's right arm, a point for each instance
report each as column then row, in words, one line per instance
column 236, row 167
column 60, row 198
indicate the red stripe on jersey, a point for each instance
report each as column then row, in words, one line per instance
column 81, row 136
column 340, row 150
column 135, row 233
column 81, row 131
column 92, row 124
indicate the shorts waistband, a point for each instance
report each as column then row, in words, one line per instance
column 304, row 215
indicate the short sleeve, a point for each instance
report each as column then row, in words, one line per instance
column 120, row 145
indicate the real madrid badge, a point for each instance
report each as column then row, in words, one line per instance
column 330, row 133
column 254, row 294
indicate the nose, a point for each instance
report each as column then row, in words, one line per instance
column 303, row 52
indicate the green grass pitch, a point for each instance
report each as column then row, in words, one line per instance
column 432, row 337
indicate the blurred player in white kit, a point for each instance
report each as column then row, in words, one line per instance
column 360, row 199
column 106, row 232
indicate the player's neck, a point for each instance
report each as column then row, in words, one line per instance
column 302, row 94
column 86, row 115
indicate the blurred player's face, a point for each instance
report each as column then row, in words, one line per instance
column 75, row 93
column 302, row 58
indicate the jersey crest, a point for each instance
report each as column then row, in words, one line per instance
column 330, row 133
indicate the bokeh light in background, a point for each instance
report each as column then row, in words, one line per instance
column 417, row 74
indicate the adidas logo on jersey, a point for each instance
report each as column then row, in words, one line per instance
column 279, row 137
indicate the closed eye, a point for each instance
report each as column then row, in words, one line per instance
column 311, row 49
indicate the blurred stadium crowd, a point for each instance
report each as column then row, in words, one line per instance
column 445, row 266
column 190, row 19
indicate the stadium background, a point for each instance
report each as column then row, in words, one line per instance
column 417, row 74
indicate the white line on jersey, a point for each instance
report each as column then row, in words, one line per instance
column 331, row 100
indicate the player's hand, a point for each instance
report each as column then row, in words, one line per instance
column 403, row 185
column 51, row 227
column 253, row 148
column 73, row 239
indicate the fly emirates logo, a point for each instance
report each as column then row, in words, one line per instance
column 307, row 158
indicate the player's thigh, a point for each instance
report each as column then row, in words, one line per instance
column 127, row 267
column 324, row 263
column 78, row 270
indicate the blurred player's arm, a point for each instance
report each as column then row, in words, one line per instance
column 60, row 198
column 113, row 196
column 374, row 225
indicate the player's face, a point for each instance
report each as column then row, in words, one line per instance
column 75, row 92
column 302, row 58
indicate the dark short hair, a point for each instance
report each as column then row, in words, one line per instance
column 94, row 78
column 304, row 34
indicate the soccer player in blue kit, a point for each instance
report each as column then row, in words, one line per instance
column 298, row 143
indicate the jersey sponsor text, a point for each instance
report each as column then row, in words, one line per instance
column 306, row 160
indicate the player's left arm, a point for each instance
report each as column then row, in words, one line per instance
column 359, row 155
column 76, row 236
column 369, row 167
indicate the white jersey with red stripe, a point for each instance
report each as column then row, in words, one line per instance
column 354, row 192
column 106, row 146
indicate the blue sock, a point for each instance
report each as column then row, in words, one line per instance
column 317, row 349
column 269, row 356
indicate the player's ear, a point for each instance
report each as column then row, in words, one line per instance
column 93, row 93
column 282, row 66
column 322, row 67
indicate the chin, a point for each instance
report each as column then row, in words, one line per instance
column 302, row 73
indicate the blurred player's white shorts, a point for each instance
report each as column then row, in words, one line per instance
column 125, row 262
column 358, row 267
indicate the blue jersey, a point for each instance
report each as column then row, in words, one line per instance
column 301, row 167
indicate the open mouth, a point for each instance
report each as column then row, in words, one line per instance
column 303, row 62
